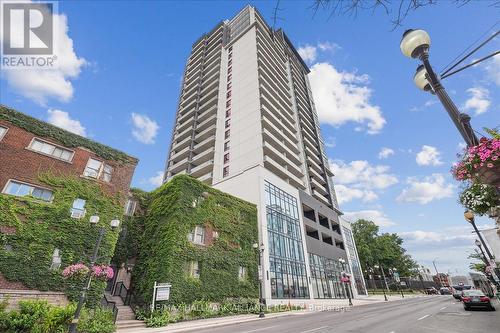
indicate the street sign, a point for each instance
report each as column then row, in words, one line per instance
column 403, row 283
column 261, row 276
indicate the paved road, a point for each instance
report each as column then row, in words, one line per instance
column 430, row 314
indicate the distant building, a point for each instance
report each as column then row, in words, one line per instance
column 442, row 280
column 425, row 274
column 456, row 280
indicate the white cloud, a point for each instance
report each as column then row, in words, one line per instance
column 145, row 129
column 156, row 180
column 492, row 69
column 328, row 46
column 428, row 189
column 378, row 217
column 429, row 155
column 307, row 52
column 362, row 175
column 330, row 142
column 479, row 102
column 63, row 120
column 346, row 194
column 426, row 105
column 41, row 84
column 461, row 146
column 342, row 97
column 385, row 153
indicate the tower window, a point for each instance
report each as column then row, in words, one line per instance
column 226, row 158
column 225, row 172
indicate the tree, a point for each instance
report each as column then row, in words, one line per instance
column 381, row 249
column 398, row 10
column 477, row 266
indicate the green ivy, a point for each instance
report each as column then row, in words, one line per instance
column 165, row 250
column 26, row 254
column 70, row 140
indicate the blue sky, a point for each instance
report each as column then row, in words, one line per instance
column 123, row 66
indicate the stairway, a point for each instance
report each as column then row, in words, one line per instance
column 125, row 320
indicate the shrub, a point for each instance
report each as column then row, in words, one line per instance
column 158, row 318
column 96, row 321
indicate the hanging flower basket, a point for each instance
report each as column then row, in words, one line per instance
column 100, row 272
column 489, row 175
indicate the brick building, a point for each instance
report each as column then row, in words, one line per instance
column 30, row 148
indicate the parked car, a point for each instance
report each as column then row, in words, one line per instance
column 444, row 291
column 476, row 299
column 431, row 291
column 457, row 294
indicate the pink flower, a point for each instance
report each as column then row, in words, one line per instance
column 489, row 165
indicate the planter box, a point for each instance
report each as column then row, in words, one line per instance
column 490, row 176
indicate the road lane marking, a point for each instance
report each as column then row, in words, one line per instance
column 423, row 317
column 315, row 329
column 444, row 307
column 260, row 329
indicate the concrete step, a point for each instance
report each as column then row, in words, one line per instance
column 127, row 325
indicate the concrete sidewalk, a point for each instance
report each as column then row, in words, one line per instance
column 316, row 306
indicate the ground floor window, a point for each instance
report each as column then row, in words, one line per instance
column 325, row 277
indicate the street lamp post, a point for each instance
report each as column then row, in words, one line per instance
column 93, row 220
column 383, row 289
column 483, row 256
column 395, row 272
column 346, row 283
column 416, row 44
column 261, row 251
column 469, row 217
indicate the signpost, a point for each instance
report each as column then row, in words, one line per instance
column 161, row 292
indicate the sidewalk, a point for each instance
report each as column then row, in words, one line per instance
column 317, row 305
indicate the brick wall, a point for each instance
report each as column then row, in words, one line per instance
column 20, row 163
column 14, row 296
column 12, row 285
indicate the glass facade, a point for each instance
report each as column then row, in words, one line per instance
column 286, row 256
column 325, row 277
column 353, row 258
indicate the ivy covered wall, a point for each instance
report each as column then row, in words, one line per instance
column 165, row 249
column 31, row 230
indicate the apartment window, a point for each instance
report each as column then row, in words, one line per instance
column 225, row 171
column 242, row 273
column 227, row 134
column 230, row 48
column 230, row 62
column 228, row 113
column 3, row 129
column 229, row 70
column 50, row 149
column 197, row 236
column 226, row 145
column 130, row 207
column 228, row 103
column 228, row 94
column 226, row 158
column 78, row 209
column 229, row 85
column 107, row 172
column 98, row 170
column 230, row 56
column 22, row 190
column 228, row 122
column 194, row 269
column 229, row 77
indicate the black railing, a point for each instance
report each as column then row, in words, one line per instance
column 123, row 292
column 105, row 304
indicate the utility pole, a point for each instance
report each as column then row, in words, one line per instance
column 437, row 273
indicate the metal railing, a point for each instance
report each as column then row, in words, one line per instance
column 123, row 293
column 105, row 304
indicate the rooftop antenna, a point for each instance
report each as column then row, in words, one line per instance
column 275, row 16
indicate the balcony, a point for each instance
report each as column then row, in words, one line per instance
column 277, row 138
column 282, row 159
column 174, row 168
column 187, row 133
column 206, row 123
column 204, row 113
column 265, row 100
column 314, row 173
column 203, row 157
column 180, row 154
column 320, row 197
column 181, row 144
column 207, row 178
column 204, row 144
column 200, row 136
column 282, row 172
column 278, row 124
column 319, row 187
column 202, row 168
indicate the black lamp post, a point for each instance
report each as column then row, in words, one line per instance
column 385, row 282
column 261, row 301
column 93, row 220
column 346, row 283
column 416, row 44
column 469, row 217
